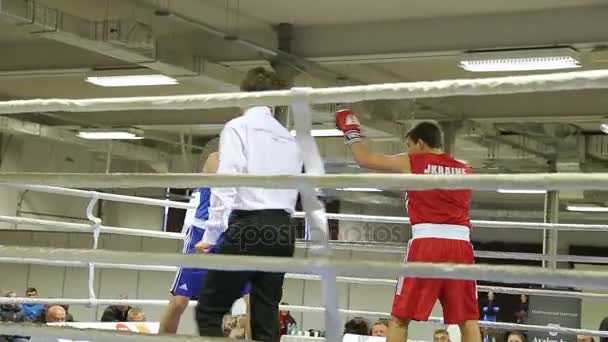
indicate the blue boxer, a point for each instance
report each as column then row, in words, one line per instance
column 189, row 281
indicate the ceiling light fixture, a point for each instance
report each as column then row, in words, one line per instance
column 520, row 191
column 587, row 208
column 131, row 80
column 604, row 128
column 330, row 132
column 360, row 189
column 109, row 135
column 520, row 64
column 521, row 60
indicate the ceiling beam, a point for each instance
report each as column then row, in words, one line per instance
column 126, row 40
column 424, row 36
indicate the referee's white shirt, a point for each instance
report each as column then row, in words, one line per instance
column 254, row 143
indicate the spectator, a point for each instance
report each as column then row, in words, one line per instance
column 357, row 326
column 58, row 313
column 68, row 315
column 516, row 336
column 584, row 338
column 136, row 315
column 116, row 313
column 441, row 335
column 55, row 314
column 11, row 312
column 490, row 313
column 490, row 310
column 604, row 327
column 379, row 328
column 522, row 310
column 234, row 326
column 286, row 322
column 32, row 311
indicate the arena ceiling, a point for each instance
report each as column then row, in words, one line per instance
column 50, row 46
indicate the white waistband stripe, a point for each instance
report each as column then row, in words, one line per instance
column 440, row 231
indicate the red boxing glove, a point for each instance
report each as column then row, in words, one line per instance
column 348, row 123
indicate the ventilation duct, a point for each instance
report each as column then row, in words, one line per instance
column 127, row 40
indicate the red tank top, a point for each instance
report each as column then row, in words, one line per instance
column 439, row 206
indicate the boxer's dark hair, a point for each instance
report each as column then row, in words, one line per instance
column 428, row 132
column 262, row 79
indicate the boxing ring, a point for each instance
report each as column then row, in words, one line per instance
column 319, row 265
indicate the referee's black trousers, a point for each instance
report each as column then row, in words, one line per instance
column 256, row 232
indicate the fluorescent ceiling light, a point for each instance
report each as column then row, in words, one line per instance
column 131, row 80
column 360, row 189
column 522, row 191
column 520, row 64
column 585, row 208
column 330, row 132
column 108, row 135
column 604, row 128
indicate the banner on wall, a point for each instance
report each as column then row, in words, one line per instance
column 136, row 327
column 553, row 311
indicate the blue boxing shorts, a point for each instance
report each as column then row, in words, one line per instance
column 189, row 281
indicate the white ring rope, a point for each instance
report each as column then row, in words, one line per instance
column 593, row 79
column 55, row 226
column 58, row 226
column 533, row 181
column 363, row 268
column 76, row 334
column 312, row 277
column 102, row 196
column 311, row 309
column 341, row 217
column 439, row 320
column 476, row 223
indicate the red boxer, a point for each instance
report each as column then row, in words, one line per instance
column 440, row 229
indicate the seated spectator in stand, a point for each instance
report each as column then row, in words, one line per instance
column 58, row 313
column 357, row 326
column 11, row 312
column 68, row 315
column 522, row 311
column 32, row 311
column 116, row 313
column 55, row 314
column 286, row 322
column 235, row 326
column 516, row 336
column 379, row 328
column 490, row 310
column 584, row 338
column 441, row 335
column 136, row 315
column 604, row 327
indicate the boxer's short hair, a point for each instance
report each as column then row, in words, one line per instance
column 428, row 132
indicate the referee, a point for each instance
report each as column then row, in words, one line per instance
column 259, row 221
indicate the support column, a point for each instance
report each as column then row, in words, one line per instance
column 284, row 69
column 550, row 235
column 449, row 128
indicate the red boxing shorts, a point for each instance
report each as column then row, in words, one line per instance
column 416, row 297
